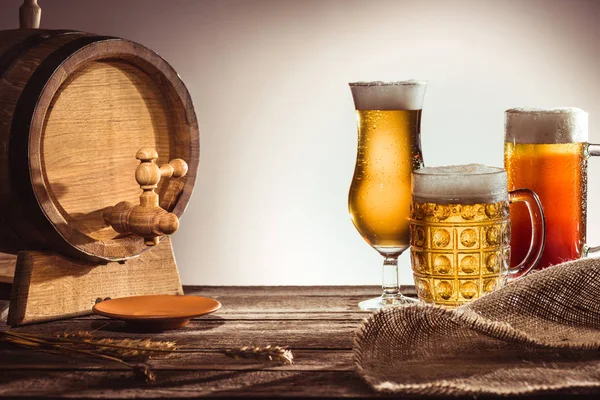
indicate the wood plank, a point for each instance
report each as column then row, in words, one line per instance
column 3, row 312
column 304, row 360
column 211, row 334
column 317, row 323
column 358, row 315
column 7, row 267
column 209, row 384
column 287, row 303
column 320, row 291
column 291, row 299
column 171, row 384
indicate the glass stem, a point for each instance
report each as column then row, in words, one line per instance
column 390, row 275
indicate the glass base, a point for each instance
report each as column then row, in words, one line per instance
column 387, row 300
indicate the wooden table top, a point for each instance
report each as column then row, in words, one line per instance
column 316, row 323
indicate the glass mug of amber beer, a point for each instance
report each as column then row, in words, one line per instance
column 460, row 232
column 546, row 150
column 389, row 149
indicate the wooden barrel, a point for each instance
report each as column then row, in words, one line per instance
column 74, row 109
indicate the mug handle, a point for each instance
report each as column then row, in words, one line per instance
column 538, row 231
column 592, row 150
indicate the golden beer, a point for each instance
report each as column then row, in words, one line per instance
column 459, row 251
column 389, row 149
column 460, row 232
column 379, row 199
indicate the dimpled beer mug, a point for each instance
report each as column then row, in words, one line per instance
column 460, row 232
column 546, row 150
column 389, row 149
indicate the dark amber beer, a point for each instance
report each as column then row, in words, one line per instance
column 557, row 173
column 546, row 151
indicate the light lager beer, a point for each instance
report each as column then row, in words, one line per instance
column 379, row 200
column 389, row 149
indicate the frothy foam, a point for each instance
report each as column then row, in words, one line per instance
column 402, row 95
column 467, row 184
column 546, row 125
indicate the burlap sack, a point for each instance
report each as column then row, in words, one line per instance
column 536, row 335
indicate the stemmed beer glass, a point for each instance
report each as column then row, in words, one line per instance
column 389, row 150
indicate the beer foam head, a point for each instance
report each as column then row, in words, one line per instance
column 402, row 95
column 471, row 183
column 546, row 125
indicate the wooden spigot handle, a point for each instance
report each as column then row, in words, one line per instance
column 29, row 15
column 148, row 219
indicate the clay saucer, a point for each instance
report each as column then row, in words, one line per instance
column 157, row 312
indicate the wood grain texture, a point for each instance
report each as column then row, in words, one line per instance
column 288, row 316
column 30, row 15
column 147, row 219
column 75, row 108
column 214, row 333
column 3, row 310
column 7, row 267
column 120, row 109
column 322, row 348
column 306, row 360
column 21, row 55
column 185, row 384
column 49, row 286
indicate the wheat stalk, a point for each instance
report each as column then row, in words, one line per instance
column 125, row 348
column 266, row 353
column 83, row 343
column 140, row 371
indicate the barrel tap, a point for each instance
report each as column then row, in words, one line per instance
column 147, row 219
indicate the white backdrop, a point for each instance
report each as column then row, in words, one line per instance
column 278, row 136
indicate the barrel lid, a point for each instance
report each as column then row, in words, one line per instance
column 88, row 107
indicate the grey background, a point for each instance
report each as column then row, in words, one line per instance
column 278, row 137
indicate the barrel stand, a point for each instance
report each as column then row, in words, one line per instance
column 48, row 286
